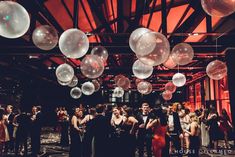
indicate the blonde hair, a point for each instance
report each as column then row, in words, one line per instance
column 193, row 117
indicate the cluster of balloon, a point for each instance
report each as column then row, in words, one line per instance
column 157, row 46
column 182, row 54
column 134, row 38
column 216, row 70
column 45, row 37
column 179, row 79
column 101, row 52
column 170, row 63
column 14, row 19
column 96, row 84
column 170, row 87
column 73, row 43
column 144, row 87
column 76, row 92
column 141, row 70
column 74, row 82
column 219, row 8
column 118, row 92
column 124, row 83
column 88, row 88
column 92, row 66
column 64, row 73
column 166, row 95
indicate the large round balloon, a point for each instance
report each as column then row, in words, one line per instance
column 96, row 84
column 219, row 8
column 73, row 43
column 45, row 37
column 135, row 36
column 64, row 72
column 63, row 83
column 144, row 87
column 118, row 92
column 74, row 82
column 14, row 19
column 167, row 95
column 169, row 63
column 182, row 53
column 88, row 88
column 216, row 70
column 141, row 70
column 117, row 77
column 179, row 80
column 92, row 66
column 124, row 82
column 159, row 54
column 76, row 92
column 101, row 52
column 170, row 87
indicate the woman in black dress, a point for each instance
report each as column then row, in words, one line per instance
column 87, row 140
column 117, row 139
column 130, row 127
column 75, row 134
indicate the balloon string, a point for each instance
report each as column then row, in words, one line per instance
column 216, row 44
column 178, row 68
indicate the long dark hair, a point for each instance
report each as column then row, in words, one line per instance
column 158, row 113
column 225, row 114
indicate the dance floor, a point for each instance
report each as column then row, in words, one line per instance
column 51, row 148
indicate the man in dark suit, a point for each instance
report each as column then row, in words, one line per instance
column 144, row 135
column 175, row 129
column 100, row 132
column 36, row 124
column 10, row 127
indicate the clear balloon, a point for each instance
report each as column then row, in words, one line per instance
column 64, row 73
column 141, row 70
column 144, row 87
column 135, row 36
column 170, row 87
column 219, row 8
column 159, row 54
column 182, row 54
column 167, row 95
column 45, row 37
column 118, row 92
column 96, row 84
column 14, row 19
column 216, row 70
column 73, row 43
column 101, row 52
column 169, row 63
column 117, row 77
column 88, row 88
column 92, row 66
column 63, row 83
column 179, row 80
column 124, row 82
column 76, row 92
column 74, row 82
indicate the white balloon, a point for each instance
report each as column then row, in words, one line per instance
column 216, row 70
column 45, row 37
column 63, row 83
column 64, row 72
column 73, row 43
column 88, row 88
column 141, row 70
column 179, row 80
column 182, row 54
column 74, row 82
column 135, row 36
column 101, row 52
column 14, row 19
column 118, row 92
column 76, row 92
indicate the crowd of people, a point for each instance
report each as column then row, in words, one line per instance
column 119, row 131
column 16, row 128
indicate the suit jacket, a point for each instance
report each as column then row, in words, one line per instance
column 10, row 126
column 37, row 124
column 177, row 126
column 143, row 131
